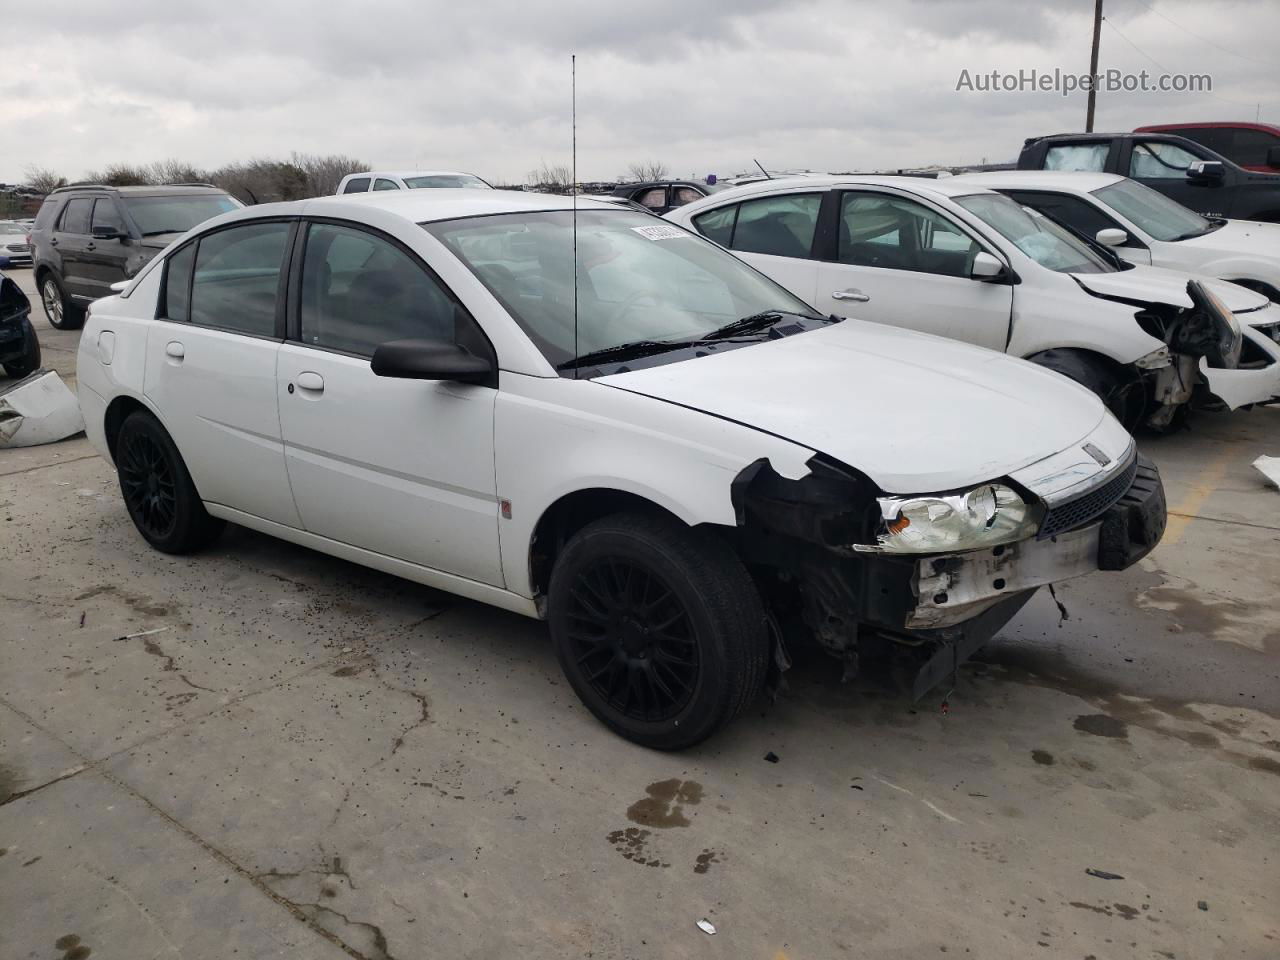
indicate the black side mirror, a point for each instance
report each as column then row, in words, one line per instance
column 107, row 233
column 1273, row 156
column 432, row 360
column 1206, row 170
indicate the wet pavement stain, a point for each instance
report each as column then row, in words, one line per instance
column 664, row 805
column 72, row 947
column 10, row 783
column 633, row 843
column 1265, row 764
column 1042, row 757
column 139, row 604
column 705, row 859
column 1101, row 725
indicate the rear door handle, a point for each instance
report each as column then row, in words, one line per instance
column 91, row 246
column 850, row 294
column 53, row 241
column 174, row 350
column 310, row 381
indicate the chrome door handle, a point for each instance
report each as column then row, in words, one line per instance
column 175, row 350
column 91, row 246
column 308, row 380
column 850, row 294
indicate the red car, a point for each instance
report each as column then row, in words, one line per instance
column 1254, row 146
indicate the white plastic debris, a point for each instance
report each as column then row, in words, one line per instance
column 706, row 926
column 1269, row 467
column 37, row 409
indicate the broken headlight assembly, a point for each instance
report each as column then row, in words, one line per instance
column 1222, row 342
column 986, row 516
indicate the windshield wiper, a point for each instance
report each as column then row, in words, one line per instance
column 156, row 233
column 757, row 321
column 624, row 351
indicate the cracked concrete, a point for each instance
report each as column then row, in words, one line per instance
column 309, row 759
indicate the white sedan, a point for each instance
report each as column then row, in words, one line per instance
column 1146, row 227
column 952, row 258
column 654, row 447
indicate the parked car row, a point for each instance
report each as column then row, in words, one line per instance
column 954, row 258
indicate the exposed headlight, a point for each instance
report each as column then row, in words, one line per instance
column 983, row 517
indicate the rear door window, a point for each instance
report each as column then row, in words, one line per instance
column 1077, row 156
column 358, row 185
column 781, row 226
column 236, row 280
column 682, row 195
column 75, row 219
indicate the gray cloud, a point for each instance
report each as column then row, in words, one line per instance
column 484, row 86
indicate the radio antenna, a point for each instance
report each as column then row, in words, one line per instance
column 767, row 174
column 573, row 191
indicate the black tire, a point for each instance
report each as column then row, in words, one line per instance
column 635, row 597
column 59, row 309
column 158, row 492
column 29, row 362
column 1124, row 398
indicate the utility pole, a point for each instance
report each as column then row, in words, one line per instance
column 1093, row 65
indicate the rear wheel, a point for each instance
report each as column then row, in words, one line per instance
column 58, row 307
column 158, row 492
column 1123, row 397
column 659, row 629
column 29, row 362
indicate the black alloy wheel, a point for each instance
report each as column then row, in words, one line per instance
column 633, row 639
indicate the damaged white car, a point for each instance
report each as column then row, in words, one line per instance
column 652, row 446
column 952, row 258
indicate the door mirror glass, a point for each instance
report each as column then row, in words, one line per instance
column 1206, row 170
column 103, row 232
column 431, row 360
column 986, row 267
column 1112, row 237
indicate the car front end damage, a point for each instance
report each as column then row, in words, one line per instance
column 1213, row 359
column 830, row 551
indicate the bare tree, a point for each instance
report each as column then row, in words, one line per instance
column 43, row 179
column 324, row 173
column 648, row 170
column 552, row 178
column 120, row 175
column 176, row 171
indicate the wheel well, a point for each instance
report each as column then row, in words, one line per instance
column 41, row 273
column 570, row 514
column 1258, row 286
column 1085, row 355
column 117, row 410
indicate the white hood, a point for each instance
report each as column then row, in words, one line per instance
column 1158, row 285
column 915, row 413
column 1250, row 238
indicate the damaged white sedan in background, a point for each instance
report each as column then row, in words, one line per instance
column 654, row 447
column 953, row 258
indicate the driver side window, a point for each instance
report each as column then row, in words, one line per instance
column 1159, row 161
column 878, row 230
column 360, row 290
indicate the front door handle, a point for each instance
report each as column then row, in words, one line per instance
column 313, row 382
column 91, row 246
column 174, row 350
column 850, row 294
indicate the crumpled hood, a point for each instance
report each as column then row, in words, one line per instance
column 915, row 413
column 1158, row 285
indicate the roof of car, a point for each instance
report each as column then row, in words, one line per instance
column 421, row 206
column 941, row 186
column 153, row 191
column 1082, row 181
column 412, row 173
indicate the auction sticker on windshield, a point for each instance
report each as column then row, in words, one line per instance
column 661, row 232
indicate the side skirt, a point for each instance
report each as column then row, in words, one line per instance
column 426, row 576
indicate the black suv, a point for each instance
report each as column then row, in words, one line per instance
column 86, row 238
column 660, row 196
column 19, row 348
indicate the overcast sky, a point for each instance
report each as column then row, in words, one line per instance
column 704, row 87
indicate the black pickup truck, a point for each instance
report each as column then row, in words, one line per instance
column 1181, row 169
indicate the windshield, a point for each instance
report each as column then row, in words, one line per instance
column 1035, row 235
column 1153, row 212
column 446, row 180
column 637, row 279
column 176, row 214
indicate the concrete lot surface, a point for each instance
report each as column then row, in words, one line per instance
column 260, row 751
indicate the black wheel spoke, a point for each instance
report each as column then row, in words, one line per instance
column 631, row 639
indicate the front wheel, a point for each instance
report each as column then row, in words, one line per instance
column 61, row 312
column 658, row 628
column 158, row 491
